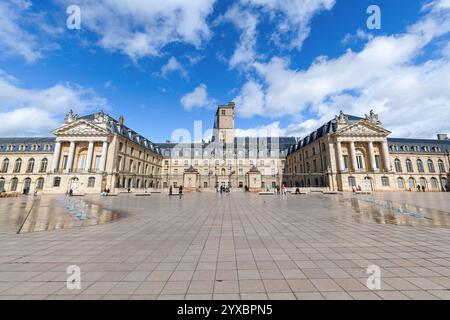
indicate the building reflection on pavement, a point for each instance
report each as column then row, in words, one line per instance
column 27, row 214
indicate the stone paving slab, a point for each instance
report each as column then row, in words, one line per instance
column 236, row 246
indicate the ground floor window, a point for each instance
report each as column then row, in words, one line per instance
column 241, row 184
column 2, row 185
column 411, row 183
column 57, row 182
column 91, row 182
column 165, row 184
column 385, row 181
column 400, row 183
column 423, row 182
column 205, row 184
column 14, row 183
column 444, row 184
column 274, row 184
column 434, row 183
column 352, row 181
column 40, row 184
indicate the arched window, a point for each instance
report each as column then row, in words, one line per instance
column 430, row 165
column 40, row 183
column 423, row 182
column 420, row 165
column 2, row 184
column 30, row 166
column 441, row 166
column 43, row 166
column 91, row 182
column 14, row 183
column 411, row 183
column 398, row 165
column 18, row 165
column 5, row 165
column 409, row 166
column 352, row 181
column 434, row 184
column 401, row 183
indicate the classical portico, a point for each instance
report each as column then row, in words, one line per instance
column 362, row 153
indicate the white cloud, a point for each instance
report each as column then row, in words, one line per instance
column 173, row 66
column 412, row 98
column 293, row 18
column 141, row 28
column 37, row 111
column 15, row 40
column 246, row 22
column 358, row 36
column 197, row 98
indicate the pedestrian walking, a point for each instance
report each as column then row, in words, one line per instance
column 180, row 191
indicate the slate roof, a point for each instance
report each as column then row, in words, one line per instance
column 28, row 143
column 127, row 133
column 434, row 145
column 327, row 128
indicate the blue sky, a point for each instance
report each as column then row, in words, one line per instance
column 289, row 65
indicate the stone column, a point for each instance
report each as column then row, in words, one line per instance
column 71, row 156
column 339, row 156
column 90, row 154
column 56, row 154
column 353, row 155
column 387, row 162
column 103, row 158
column 373, row 163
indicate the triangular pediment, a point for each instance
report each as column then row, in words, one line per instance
column 363, row 128
column 80, row 128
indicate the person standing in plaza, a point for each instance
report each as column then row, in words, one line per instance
column 180, row 191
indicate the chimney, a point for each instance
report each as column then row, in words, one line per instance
column 121, row 120
column 442, row 136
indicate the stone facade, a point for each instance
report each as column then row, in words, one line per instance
column 96, row 152
column 351, row 153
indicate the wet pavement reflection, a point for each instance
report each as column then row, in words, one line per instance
column 380, row 211
column 28, row 214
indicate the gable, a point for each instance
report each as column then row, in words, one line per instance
column 80, row 128
column 363, row 128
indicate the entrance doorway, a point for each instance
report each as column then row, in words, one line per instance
column 74, row 184
column 367, row 185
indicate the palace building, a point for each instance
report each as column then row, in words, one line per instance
column 96, row 152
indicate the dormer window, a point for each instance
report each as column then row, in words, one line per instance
column 22, row 147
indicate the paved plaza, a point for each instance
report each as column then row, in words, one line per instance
column 236, row 246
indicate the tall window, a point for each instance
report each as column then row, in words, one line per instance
column 434, row 183
column 385, row 181
column 18, row 165
column 430, row 166
column 360, row 162
column 398, row 165
column 64, row 164
column 40, row 184
column 441, row 166
column 14, row 183
column 30, row 166
column 411, row 183
column 5, row 165
column 345, row 160
column 43, row 166
column 401, row 183
column 2, row 184
column 409, row 166
column 420, row 165
column 377, row 161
